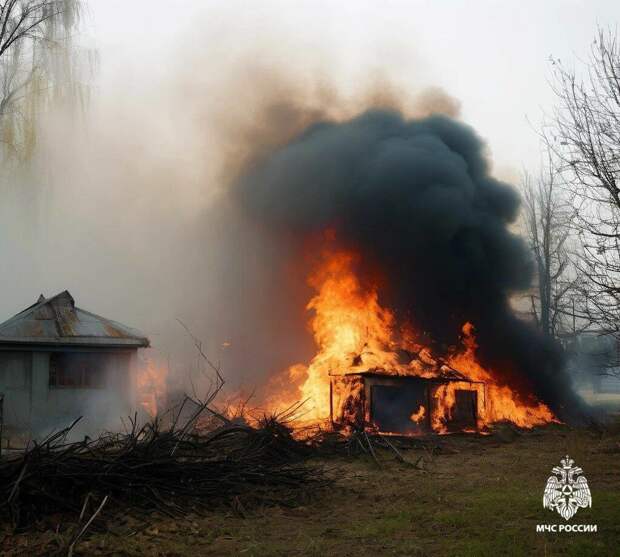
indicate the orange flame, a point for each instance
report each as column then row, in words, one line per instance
column 501, row 402
column 355, row 334
column 151, row 386
column 418, row 415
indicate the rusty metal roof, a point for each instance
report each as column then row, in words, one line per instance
column 57, row 321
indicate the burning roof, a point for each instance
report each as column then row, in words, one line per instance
column 57, row 321
column 411, row 363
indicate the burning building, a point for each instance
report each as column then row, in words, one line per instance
column 405, row 404
column 371, row 372
column 411, row 261
column 58, row 362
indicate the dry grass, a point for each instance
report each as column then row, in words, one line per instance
column 477, row 496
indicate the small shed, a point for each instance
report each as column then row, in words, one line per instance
column 399, row 404
column 59, row 362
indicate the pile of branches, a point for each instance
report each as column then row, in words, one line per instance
column 169, row 469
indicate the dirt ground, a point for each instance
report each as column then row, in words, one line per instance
column 474, row 496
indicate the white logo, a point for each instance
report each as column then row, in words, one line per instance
column 565, row 493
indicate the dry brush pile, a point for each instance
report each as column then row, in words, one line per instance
column 174, row 470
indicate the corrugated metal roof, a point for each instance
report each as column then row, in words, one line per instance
column 58, row 321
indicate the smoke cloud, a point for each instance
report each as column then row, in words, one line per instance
column 416, row 198
column 127, row 206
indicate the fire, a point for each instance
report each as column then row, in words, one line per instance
column 354, row 334
column 418, row 415
column 501, row 402
column 151, row 386
column 351, row 331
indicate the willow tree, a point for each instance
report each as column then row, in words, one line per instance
column 37, row 66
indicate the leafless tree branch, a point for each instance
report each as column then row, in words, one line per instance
column 547, row 223
column 583, row 136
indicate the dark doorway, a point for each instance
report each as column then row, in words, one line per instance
column 465, row 411
column 393, row 405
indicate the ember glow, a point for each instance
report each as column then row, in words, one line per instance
column 356, row 338
column 151, row 386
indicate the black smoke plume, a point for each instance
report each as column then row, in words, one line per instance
column 416, row 199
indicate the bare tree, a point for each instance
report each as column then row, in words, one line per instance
column 35, row 65
column 584, row 137
column 547, row 222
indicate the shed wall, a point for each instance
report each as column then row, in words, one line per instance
column 32, row 405
column 15, row 381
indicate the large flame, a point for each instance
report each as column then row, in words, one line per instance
column 354, row 333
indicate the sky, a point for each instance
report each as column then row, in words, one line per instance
column 115, row 207
column 492, row 55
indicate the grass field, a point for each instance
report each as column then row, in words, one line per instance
column 475, row 497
